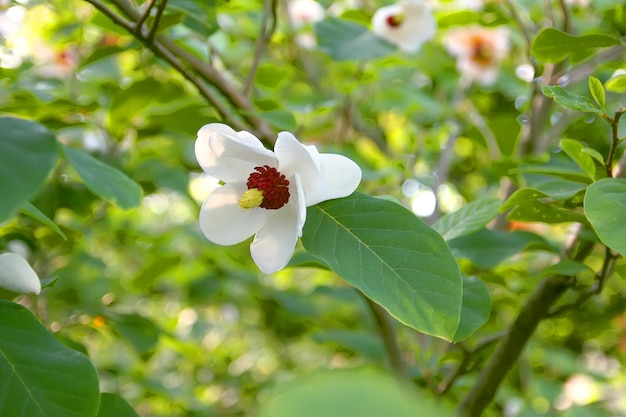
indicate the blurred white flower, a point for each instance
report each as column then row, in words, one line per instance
column 303, row 12
column 407, row 24
column 266, row 193
column 17, row 275
column 525, row 72
column 479, row 51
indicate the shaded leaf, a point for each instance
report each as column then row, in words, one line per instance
column 40, row 376
column 27, row 154
column 104, row 180
column 112, row 405
column 476, row 307
column 530, row 205
column 605, row 207
column 468, row 219
column 33, row 212
column 385, row 251
column 344, row 40
column 574, row 149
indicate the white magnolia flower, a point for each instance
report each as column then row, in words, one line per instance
column 303, row 12
column 266, row 193
column 17, row 275
column 479, row 51
column 407, row 24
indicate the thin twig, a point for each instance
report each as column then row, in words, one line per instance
column 566, row 17
column 264, row 37
column 157, row 19
column 144, row 16
column 614, row 140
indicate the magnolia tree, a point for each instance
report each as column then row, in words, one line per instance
column 434, row 189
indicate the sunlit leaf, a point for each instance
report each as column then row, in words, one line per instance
column 468, row 219
column 350, row 393
column 605, row 207
column 345, row 40
column 616, row 84
column 574, row 149
column 597, row 91
column 553, row 45
column 40, row 377
column 571, row 101
column 476, row 307
column 102, row 179
column 27, row 154
column 385, row 251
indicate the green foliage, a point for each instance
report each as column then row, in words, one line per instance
column 605, row 201
column 40, row 376
column 27, row 154
column 554, row 45
column 392, row 257
column 345, row 40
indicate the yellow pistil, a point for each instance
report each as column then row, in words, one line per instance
column 251, row 198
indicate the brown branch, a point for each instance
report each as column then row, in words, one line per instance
column 144, row 16
column 157, row 19
column 269, row 8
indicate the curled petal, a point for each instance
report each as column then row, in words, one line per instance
column 274, row 244
column 229, row 155
column 222, row 220
column 17, row 275
column 339, row 175
column 295, row 158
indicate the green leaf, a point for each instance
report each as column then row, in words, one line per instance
column 350, row 393
column 112, row 405
column 616, row 84
column 344, row 40
column 27, row 154
column 574, row 149
column 476, row 307
column 597, row 91
column 33, row 212
column 605, row 207
column 139, row 331
column 567, row 268
column 199, row 15
column 571, row 101
column 102, row 179
column 488, row 248
column 557, row 188
column 531, row 205
column 389, row 254
column 468, row 219
column 280, row 119
column 40, row 377
column 553, row 45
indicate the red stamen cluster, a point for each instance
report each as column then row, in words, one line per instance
column 394, row 21
column 274, row 185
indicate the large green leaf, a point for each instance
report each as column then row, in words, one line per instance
column 385, row 251
column 345, row 40
column 33, row 212
column 571, row 101
column 476, row 307
column 553, row 45
column 351, row 393
column 575, row 150
column 112, row 405
column 605, row 207
column 104, row 180
column 40, row 377
column 27, row 154
column 468, row 219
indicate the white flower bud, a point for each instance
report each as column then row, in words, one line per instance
column 17, row 275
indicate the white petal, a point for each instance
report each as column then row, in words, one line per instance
column 340, row 176
column 295, row 158
column 17, row 275
column 418, row 25
column 222, row 220
column 274, row 244
column 229, row 155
